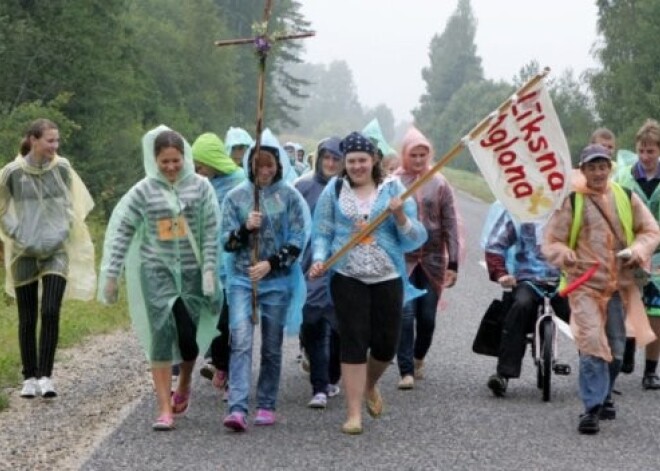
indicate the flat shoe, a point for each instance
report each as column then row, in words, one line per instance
column 375, row 404
column 407, row 382
column 164, row 423
column 180, row 403
column 352, row 428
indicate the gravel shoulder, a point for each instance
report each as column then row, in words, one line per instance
column 99, row 383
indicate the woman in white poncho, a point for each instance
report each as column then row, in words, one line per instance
column 43, row 205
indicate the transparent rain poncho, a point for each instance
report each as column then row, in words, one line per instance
column 286, row 221
column 332, row 229
column 373, row 131
column 519, row 245
column 165, row 236
column 597, row 243
column 436, row 210
column 626, row 175
column 43, row 211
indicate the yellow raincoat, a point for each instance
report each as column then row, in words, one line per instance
column 596, row 242
column 42, row 215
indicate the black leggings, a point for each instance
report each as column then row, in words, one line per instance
column 187, row 331
column 220, row 345
column 369, row 317
column 27, row 300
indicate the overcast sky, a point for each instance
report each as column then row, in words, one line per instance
column 385, row 42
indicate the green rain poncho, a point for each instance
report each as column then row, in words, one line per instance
column 165, row 235
column 373, row 132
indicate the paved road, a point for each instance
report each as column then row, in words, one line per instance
column 449, row 421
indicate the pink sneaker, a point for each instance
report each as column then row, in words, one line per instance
column 164, row 423
column 219, row 379
column 264, row 417
column 235, row 421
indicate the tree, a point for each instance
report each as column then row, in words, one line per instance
column 573, row 105
column 466, row 108
column 627, row 88
column 283, row 87
column 454, row 63
column 332, row 106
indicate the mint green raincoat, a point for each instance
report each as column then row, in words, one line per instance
column 165, row 236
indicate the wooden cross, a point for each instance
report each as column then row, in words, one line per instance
column 262, row 42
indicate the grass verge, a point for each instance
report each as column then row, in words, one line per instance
column 472, row 183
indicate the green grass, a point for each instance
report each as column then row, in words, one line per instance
column 79, row 320
column 472, row 183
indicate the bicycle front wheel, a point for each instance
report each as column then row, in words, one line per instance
column 546, row 357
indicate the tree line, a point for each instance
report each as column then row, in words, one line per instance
column 108, row 70
column 620, row 94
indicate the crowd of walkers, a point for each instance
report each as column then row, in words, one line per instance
column 222, row 241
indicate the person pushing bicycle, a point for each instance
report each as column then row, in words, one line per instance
column 514, row 260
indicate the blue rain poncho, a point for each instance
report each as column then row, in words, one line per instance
column 42, row 216
column 332, row 229
column 518, row 244
column 165, row 235
column 289, row 174
column 237, row 137
column 285, row 221
column 310, row 187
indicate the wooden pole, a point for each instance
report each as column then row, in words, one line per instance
column 450, row 155
column 233, row 42
column 257, row 149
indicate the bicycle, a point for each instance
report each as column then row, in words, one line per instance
column 544, row 339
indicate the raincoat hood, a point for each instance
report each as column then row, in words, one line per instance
column 209, row 150
column 373, row 132
column 331, row 145
column 270, row 144
column 149, row 157
column 237, row 137
column 412, row 139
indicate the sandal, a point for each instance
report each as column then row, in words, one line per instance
column 352, row 427
column 375, row 404
column 164, row 423
column 180, row 403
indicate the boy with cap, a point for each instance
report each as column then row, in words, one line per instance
column 602, row 223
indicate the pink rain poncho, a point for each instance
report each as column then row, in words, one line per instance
column 596, row 242
column 436, row 211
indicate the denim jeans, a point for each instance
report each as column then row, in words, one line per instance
column 321, row 342
column 272, row 321
column 417, row 323
column 597, row 377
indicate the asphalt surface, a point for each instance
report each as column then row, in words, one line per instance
column 449, row 421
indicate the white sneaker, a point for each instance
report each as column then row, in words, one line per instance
column 319, row 401
column 47, row 388
column 333, row 390
column 30, row 388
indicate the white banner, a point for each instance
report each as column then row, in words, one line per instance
column 524, row 157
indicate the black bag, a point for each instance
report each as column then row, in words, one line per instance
column 487, row 340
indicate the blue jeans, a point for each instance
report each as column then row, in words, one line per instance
column 597, row 376
column 321, row 342
column 240, row 366
column 415, row 340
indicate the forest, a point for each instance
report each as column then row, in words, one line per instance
column 108, row 70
